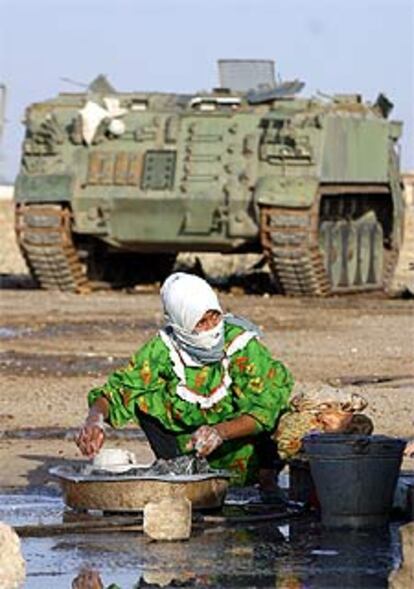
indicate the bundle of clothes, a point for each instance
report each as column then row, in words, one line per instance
column 326, row 410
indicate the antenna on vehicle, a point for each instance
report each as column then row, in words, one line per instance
column 74, row 82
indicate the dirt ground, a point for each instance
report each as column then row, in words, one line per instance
column 54, row 347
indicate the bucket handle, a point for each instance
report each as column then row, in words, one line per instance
column 360, row 445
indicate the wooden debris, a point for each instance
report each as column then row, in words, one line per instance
column 126, row 524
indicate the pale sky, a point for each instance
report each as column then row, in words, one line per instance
column 364, row 46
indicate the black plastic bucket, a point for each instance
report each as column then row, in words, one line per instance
column 355, row 477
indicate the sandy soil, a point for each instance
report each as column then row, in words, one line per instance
column 55, row 346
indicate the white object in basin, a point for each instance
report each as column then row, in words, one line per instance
column 114, row 460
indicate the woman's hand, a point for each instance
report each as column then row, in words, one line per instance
column 91, row 437
column 409, row 449
column 92, row 434
column 207, row 437
column 205, row 440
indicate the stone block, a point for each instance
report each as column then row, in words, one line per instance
column 168, row 519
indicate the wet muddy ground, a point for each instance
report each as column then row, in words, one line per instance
column 54, row 347
column 289, row 554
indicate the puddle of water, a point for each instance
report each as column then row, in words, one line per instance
column 221, row 558
column 21, row 509
column 298, row 554
column 49, row 560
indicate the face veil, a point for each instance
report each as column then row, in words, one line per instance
column 186, row 298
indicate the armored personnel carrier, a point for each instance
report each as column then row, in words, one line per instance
column 113, row 185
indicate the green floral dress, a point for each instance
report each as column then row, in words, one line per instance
column 158, row 381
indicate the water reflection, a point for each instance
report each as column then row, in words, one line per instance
column 304, row 556
column 87, row 579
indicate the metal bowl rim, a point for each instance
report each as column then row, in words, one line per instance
column 60, row 472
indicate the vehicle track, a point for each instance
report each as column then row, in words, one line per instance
column 45, row 239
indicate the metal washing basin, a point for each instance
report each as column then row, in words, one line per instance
column 88, row 489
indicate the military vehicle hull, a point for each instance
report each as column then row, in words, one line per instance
column 313, row 184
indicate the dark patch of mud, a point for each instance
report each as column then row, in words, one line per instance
column 17, row 281
column 68, row 433
column 24, row 364
column 12, row 332
column 99, row 327
column 103, row 328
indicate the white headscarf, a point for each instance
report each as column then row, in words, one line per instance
column 186, row 298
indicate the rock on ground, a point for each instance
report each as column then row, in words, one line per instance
column 11, row 261
column 169, row 519
column 12, row 564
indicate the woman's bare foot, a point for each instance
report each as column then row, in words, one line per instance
column 270, row 491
